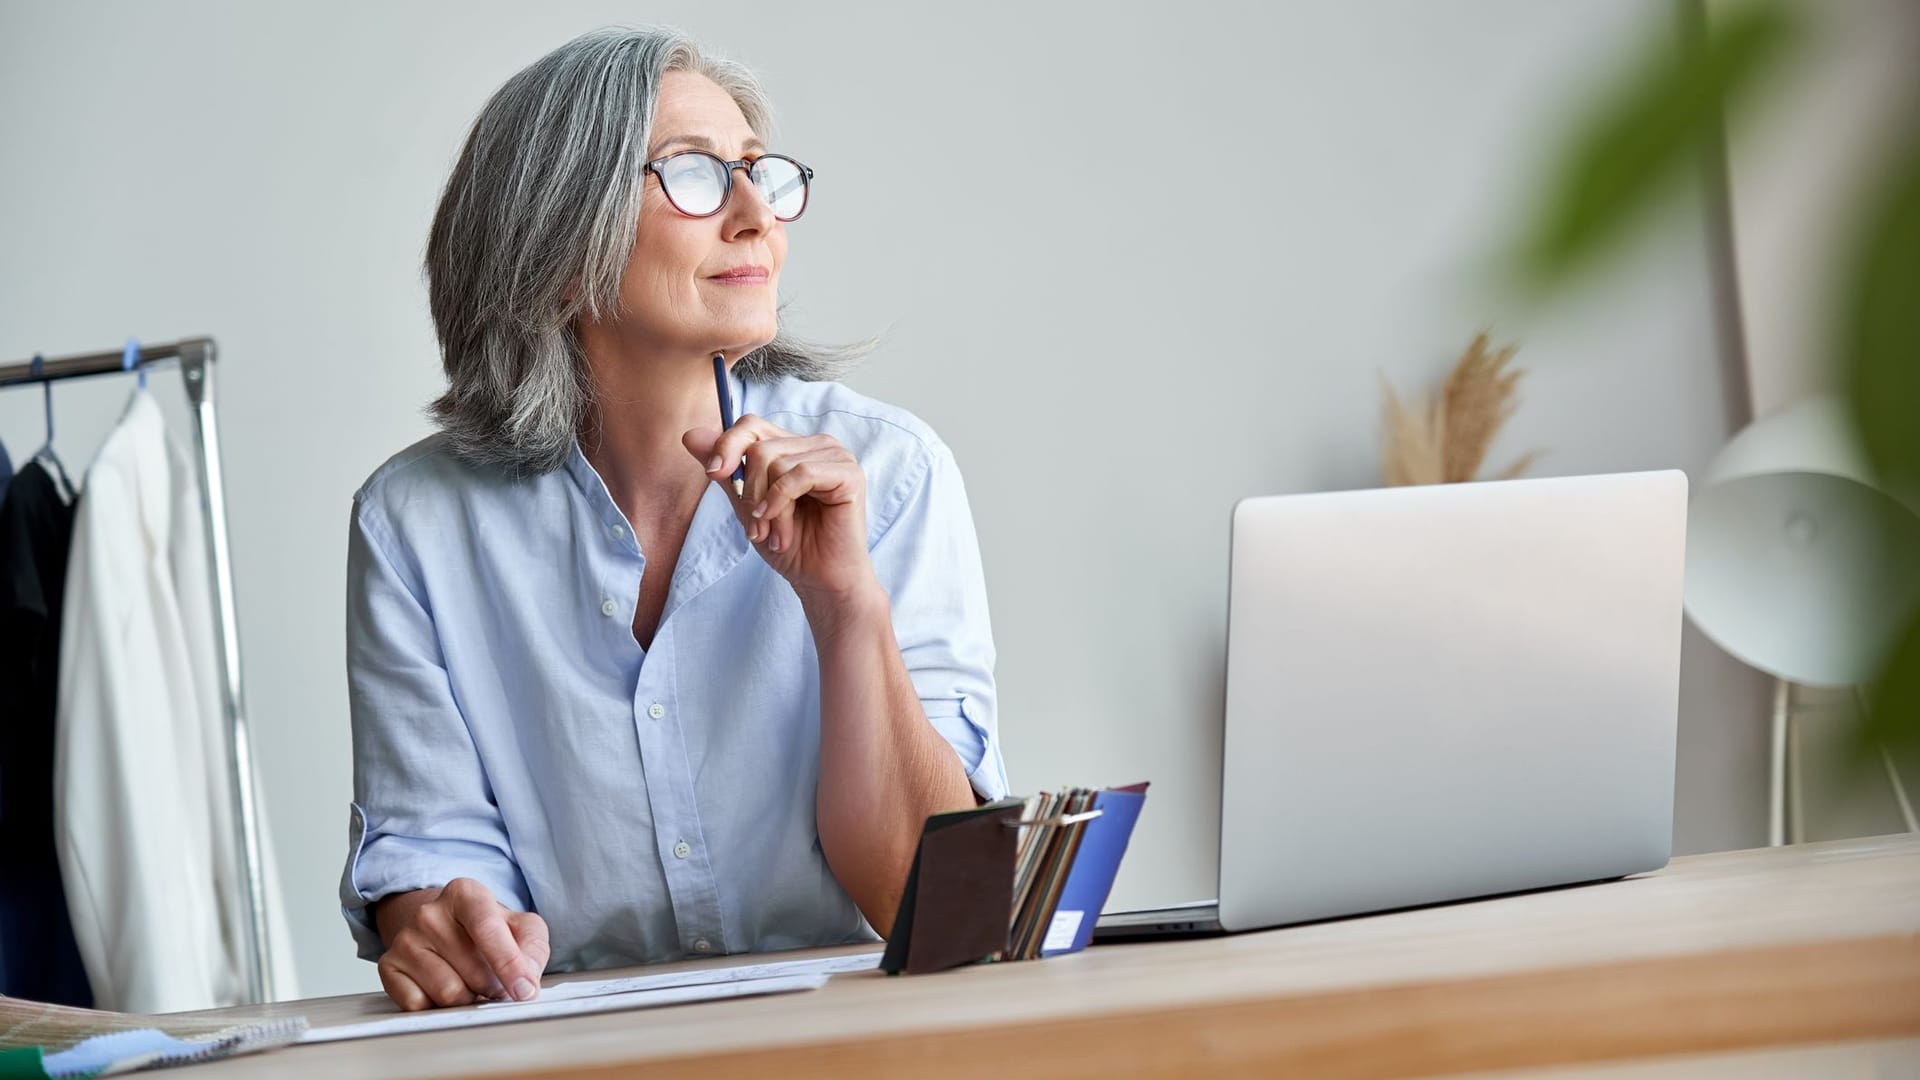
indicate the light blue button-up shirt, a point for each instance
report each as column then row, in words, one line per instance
column 650, row 804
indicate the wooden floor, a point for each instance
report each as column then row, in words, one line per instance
column 1815, row 947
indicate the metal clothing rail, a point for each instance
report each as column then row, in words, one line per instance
column 195, row 357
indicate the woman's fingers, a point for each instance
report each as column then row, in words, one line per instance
column 530, row 930
column 485, row 923
column 763, row 450
column 735, row 444
column 767, row 460
column 444, row 935
column 780, row 468
column 455, row 944
column 399, row 986
column 416, row 977
column 829, row 474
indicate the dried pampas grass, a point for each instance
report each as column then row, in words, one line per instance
column 1446, row 440
column 1415, row 441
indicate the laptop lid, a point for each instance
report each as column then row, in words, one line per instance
column 1447, row 691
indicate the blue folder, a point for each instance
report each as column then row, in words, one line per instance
column 1096, row 862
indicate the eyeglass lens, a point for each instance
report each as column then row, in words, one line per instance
column 697, row 183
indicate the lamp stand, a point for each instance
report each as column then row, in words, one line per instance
column 1786, row 820
column 1899, row 791
column 1782, row 810
column 1893, row 773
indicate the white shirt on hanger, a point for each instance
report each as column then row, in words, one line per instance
column 143, row 813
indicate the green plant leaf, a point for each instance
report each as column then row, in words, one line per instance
column 1879, row 337
column 1880, row 329
column 1646, row 136
column 1893, row 705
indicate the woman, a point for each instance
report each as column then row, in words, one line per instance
column 605, row 711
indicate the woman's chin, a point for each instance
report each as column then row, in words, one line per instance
column 746, row 338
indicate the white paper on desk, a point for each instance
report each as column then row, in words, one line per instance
column 541, row 1007
column 823, row 965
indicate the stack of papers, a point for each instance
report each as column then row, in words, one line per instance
column 611, row 995
column 1040, row 868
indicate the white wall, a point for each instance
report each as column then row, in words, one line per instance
column 1000, row 184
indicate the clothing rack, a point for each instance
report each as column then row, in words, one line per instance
column 195, row 357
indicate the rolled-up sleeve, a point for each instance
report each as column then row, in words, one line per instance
column 928, row 559
column 423, row 812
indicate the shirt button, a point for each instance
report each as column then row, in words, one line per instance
column 619, row 532
column 656, row 710
column 608, row 607
column 702, row 945
column 682, row 849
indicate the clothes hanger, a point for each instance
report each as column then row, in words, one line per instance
column 130, row 360
column 45, row 455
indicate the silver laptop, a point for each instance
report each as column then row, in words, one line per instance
column 1443, row 692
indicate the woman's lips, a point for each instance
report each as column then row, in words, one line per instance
column 744, row 274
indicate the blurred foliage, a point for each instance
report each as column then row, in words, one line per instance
column 1879, row 325
column 1879, row 344
column 1648, row 135
column 1645, row 139
column 1893, row 706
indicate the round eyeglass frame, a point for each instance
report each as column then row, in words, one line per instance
column 657, row 165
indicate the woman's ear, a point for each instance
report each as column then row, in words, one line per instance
column 573, row 306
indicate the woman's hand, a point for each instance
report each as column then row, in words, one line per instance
column 805, row 507
column 456, row 944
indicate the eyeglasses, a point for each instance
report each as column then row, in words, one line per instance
column 699, row 184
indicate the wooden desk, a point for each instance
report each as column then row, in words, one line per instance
column 1812, row 944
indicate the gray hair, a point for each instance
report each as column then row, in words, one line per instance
column 535, row 229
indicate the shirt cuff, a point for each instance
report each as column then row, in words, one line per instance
column 380, row 865
column 976, row 746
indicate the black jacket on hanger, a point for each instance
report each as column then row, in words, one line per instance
column 38, row 958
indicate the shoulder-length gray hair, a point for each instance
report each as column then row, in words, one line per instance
column 535, row 230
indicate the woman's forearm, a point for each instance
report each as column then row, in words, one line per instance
column 883, row 767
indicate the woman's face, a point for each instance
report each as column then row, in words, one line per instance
column 673, row 296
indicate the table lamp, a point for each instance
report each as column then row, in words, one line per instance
column 1800, row 566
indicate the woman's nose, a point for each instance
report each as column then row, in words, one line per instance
column 748, row 207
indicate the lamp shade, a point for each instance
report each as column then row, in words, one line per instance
column 1794, row 557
